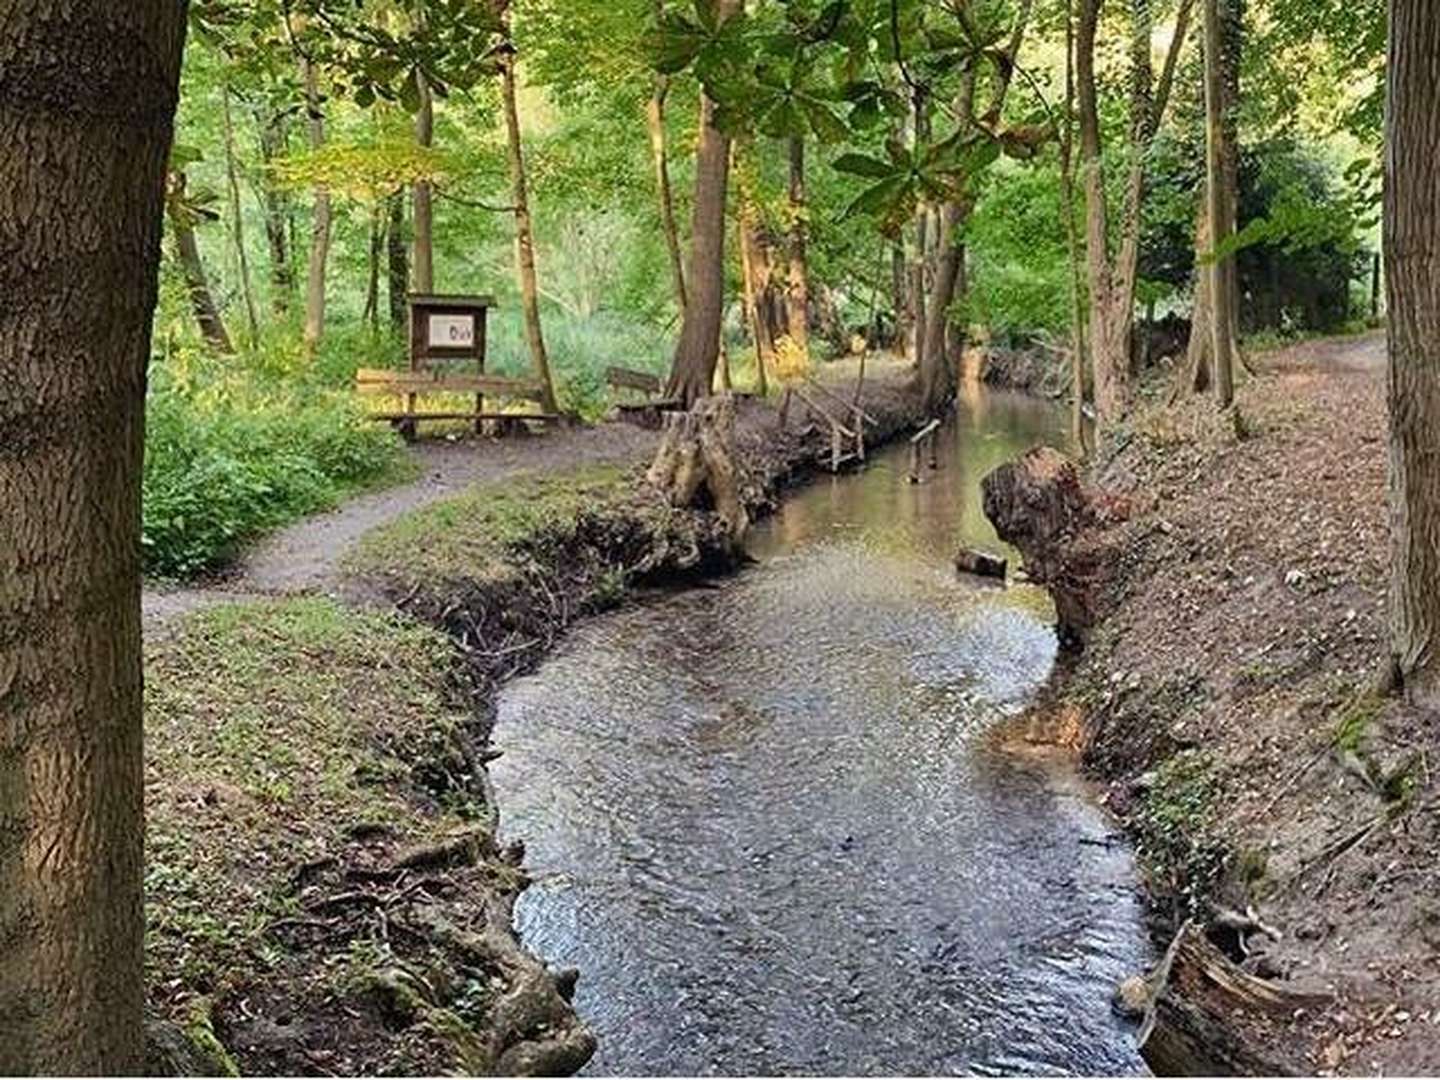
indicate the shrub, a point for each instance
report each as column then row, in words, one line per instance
column 220, row 469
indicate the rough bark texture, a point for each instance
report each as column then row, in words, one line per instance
column 693, row 368
column 320, row 222
column 276, row 204
column 697, row 454
column 798, row 298
column 759, row 328
column 87, row 96
column 1079, row 354
column 524, row 232
column 424, row 195
column 1412, row 292
column 192, row 266
column 664, row 192
column 937, row 373
column 1041, row 505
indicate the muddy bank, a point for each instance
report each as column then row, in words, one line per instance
column 1226, row 697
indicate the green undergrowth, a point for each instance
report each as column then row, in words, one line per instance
column 275, row 731
column 1179, row 844
column 231, row 453
column 475, row 535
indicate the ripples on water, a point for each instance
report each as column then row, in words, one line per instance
column 766, row 829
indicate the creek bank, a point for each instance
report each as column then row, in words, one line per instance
column 325, row 892
column 1226, row 696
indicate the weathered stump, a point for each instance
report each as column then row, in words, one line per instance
column 696, row 456
column 1040, row 505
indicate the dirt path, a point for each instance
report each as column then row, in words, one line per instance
column 304, row 557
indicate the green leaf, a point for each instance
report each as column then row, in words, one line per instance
column 860, row 165
column 884, row 198
column 827, row 126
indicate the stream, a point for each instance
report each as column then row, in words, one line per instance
column 767, row 827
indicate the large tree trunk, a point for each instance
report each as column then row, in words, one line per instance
column 424, row 195
column 82, row 189
column 187, row 254
column 655, row 121
column 398, row 268
column 1222, row 179
column 1078, row 352
column 276, row 204
column 237, row 220
column 1412, row 292
column 320, row 222
column 798, row 297
column 524, row 232
column 693, row 368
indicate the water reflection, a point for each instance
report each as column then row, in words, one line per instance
column 767, row 832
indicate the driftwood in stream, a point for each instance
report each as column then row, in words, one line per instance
column 697, row 456
column 1207, row 1017
column 981, row 563
column 1040, row 505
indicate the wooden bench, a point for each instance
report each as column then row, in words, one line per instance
column 411, row 385
column 646, row 413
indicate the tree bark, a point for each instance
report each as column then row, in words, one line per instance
column 1220, row 140
column 693, row 367
column 524, row 232
column 1412, row 293
column 398, row 268
column 798, row 297
column 237, row 220
column 665, row 193
column 82, row 190
column 424, row 194
column 372, row 266
column 192, row 266
column 937, row 374
column 1078, row 354
column 759, row 327
column 276, row 204
column 1112, row 279
column 320, row 222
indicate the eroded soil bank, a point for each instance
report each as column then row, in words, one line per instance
column 326, row 892
column 1228, row 699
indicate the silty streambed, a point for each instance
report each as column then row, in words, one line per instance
column 766, row 825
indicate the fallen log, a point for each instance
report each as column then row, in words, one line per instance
column 1207, row 1017
column 981, row 564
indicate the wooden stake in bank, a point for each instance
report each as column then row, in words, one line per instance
column 918, row 442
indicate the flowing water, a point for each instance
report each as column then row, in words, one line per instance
column 766, row 824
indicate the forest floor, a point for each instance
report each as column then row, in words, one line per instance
column 325, row 890
column 1230, row 699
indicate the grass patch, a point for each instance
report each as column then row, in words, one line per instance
column 474, row 536
column 271, row 730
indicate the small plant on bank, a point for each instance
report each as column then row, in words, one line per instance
column 1178, row 846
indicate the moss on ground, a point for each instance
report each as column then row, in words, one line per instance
column 473, row 536
column 1175, row 825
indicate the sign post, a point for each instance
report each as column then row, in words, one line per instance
column 444, row 330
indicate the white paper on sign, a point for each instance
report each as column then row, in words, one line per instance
column 452, row 331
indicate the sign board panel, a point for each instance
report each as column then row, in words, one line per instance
column 451, row 331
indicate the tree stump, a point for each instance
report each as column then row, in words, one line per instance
column 696, row 459
column 1040, row 505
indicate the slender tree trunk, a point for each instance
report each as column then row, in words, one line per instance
column 187, row 254
column 320, row 224
column 904, row 310
column 754, row 277
column 1112, row 278
column 1078, row 354
column 1217, row 203
column 655, row 120
column 524, row 233
column 398, row 275
column 1412, row 293
column 696, row 352
column 237, row 220
column 799, row 293
column 424, row 194
column 372, row 266
column 82, row 190
column 937, row 374
column 276, row 204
